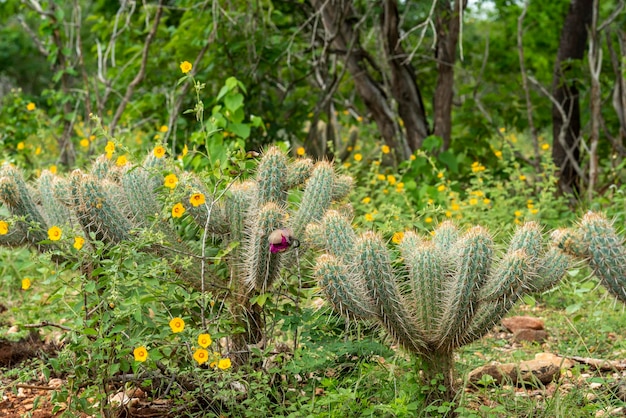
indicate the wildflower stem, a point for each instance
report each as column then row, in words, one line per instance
column 203, row 250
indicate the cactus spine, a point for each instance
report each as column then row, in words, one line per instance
column 450, row 290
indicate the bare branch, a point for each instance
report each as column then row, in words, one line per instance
column 529, row 105
column 142, row 70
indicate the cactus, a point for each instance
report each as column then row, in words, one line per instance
column 595, row 241
column 450, row 289
column 115, row 204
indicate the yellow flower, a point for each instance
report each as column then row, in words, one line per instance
column 513, row 138
column 486, row 201
column 359, row 118
column 37, row 150
column 498, row 153
column 224, row 363
column 358, row 157
column 121, row 161
column 440, row 175
column 545, row 147
column 522, row 177
column 502, row 130
column 455, row 206
column 177, row 324
column 366, row 200
column 441, row 187
column 477, row 167
column 381, row 177
column 534, row 211
column 92, row 138
column 369, row 217
column 178, row 210
column 185, row 150
column 110, row 147
column 185, row 67
column 300, row 151
column 159, row 151
column 31, row 106
column 204, row 340
column 391, row 179
column 201, row 355
column 53, row 169
column 54, row 233
column 79, row 242
column 413, row 157
column 84, row 142
column 428, row 220
column 448, row 214
column 397, row 237
column 347, row 164
column 163, row 128
column 4, row 228
column 385, row 149
column 140, row 353
column 346, row 112
column 170, row 181
column 20, row 146
column 197, row 199
column 518, row 213
column 25, row 283
column 473, row 201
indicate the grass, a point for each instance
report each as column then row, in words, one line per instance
column 361, row 376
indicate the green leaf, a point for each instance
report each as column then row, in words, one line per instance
column 231, row 83
column 449, row 159
column 90, row 287
column 233, row 102
column 242, row 130
column 222, row 93
column 90, row 331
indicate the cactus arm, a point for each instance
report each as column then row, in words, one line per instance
column 261, row 266
column 473, row 253
column 272, row 178
column 607, row 254
column 15, row 195
column 425, row 273
column 348, row 296
column 316, row 198
column 373, row 258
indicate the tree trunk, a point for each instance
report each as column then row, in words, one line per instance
column 403, row 80
column 448, row 26
column 566, row 116
column 338, row 19
column 438, row 369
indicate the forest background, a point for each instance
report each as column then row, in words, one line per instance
column 484, row 112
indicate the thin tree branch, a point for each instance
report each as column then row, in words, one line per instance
column 142, row 70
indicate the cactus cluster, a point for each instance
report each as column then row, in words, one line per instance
column 441, row 292
column 595, row 241
column 113, row 204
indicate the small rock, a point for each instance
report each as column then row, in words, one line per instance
column 561, row 362
column 55, row 383
column 119, row 399
column 13, row 330
column 516, row 323
column 530, row 335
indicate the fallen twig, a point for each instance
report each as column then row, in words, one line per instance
column 47, row 324
column 600, row 364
